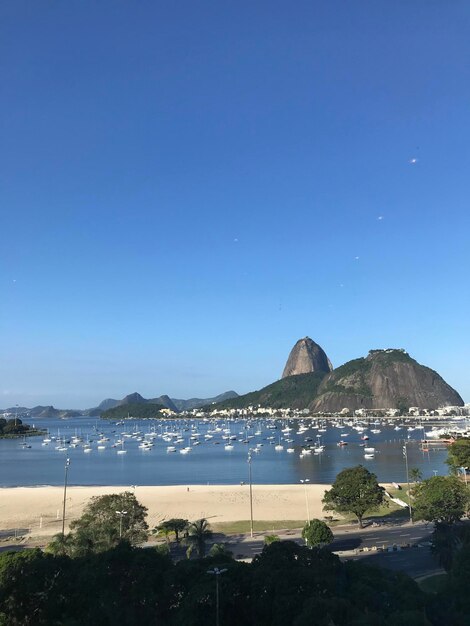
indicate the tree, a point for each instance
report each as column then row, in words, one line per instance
column 220, row 549
column 174, row 525
column 269, row 539
column 316, row 533
column 355, row 490
column 199, row 533
column 459, row 453
column 416, row 474
column 447, row 541
column 61, row 545
column 440, row 499
column 109, row 519
column 177, row 525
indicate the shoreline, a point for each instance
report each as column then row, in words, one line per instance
column 37, row 511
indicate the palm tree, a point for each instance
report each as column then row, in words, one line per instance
column 416, row 475
column 61, row 545
column 198, row 533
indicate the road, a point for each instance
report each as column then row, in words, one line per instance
column 351, row 543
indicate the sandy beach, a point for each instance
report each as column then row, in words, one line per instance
column 38, row 510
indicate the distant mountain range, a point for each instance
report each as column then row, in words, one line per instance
column 170, row 403
column 133, row 398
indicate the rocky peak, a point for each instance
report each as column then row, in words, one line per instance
column 305, row 357
column 133, row 398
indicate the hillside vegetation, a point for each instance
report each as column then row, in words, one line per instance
column 292, row 392
column 133, row 410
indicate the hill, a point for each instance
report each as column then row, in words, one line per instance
column 384, row 379
column 295, row 392
column 144, row 410
column 196, row 403
column 167, row 402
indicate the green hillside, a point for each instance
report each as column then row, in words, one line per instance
column 140, row 410
column 292, row 392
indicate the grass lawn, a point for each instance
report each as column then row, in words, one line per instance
column 243, row 526
column 433, row 584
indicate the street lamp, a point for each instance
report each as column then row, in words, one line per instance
column 304, row 483
column 464, row 470
column 67, row 465
column 217, row 572
column 121, row 516
column 405, row 454
column 251, row 493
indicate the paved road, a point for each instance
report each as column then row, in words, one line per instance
column 351, row 543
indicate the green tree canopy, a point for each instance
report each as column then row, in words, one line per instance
column 441, row 499
column 356, row 491
column 174, row 525
column 317, row 533
column 108, row 519
column 459, row 453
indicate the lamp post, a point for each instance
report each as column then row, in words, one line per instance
column 121, row 516
column 216, row 572
column 251, row 493
column 67, row 465
column 405, row 454
column 464, row 470
column 304, row 483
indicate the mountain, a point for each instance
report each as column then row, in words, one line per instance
column 294, row 392
column 384, row 379
column 133, row 398
column 109, row 403
column 135, row 410
column 305, row 357
column 196, row 403
column 166, row 401
column 50, row 411
column 45, row 411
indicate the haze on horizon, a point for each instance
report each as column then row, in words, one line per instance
column 187, row 189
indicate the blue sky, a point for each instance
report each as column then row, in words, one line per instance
column 187, row 188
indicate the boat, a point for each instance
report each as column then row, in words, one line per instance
column 122, row 451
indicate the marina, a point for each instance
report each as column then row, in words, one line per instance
column 215, row 451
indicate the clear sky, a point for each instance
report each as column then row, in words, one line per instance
column 187, row 188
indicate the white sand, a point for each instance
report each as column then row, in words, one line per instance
column 39, row 509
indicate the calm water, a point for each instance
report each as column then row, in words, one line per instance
column 208, row 462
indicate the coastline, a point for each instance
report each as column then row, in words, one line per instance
column 37, row 511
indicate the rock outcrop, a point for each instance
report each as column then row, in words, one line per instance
column 306, row 357
column 384, row 379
